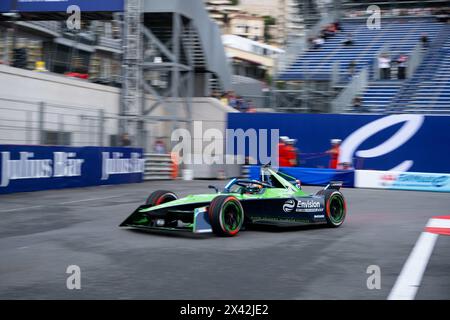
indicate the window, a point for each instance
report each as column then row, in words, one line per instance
column 57, row 138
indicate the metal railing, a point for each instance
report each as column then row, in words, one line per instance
column 415, row 59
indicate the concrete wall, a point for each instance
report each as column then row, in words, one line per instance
column 74, row 106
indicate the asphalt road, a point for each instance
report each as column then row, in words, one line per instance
column 42, row 233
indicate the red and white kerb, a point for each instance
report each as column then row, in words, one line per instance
column 439, row 225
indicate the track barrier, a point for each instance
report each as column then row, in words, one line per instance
column 26, row 168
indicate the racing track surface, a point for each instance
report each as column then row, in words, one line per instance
column 42, row 233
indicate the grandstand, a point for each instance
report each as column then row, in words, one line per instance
column 426, row 87
column 429, row 90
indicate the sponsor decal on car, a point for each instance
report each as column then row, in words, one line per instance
column 289, row 205
column 310, row 205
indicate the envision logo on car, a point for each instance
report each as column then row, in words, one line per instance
column 308, row 204
column 289, row 205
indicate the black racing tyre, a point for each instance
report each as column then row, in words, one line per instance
column 226, row 216
column 335, row 207
column 160, row 196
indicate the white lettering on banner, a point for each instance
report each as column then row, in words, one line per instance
column 119, row 165
column 412, row 125
column 62, row 165
column 65, row 166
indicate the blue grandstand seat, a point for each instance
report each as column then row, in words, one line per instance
column 401, row 36
column 317, row 64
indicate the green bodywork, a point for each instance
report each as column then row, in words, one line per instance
column 192, row 209
column 289, row 189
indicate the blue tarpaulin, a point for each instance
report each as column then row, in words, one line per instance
column 313, row 176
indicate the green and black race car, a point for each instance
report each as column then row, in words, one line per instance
column 274, row 199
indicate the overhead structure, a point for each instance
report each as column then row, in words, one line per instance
column 131, row 95
column 182, row 57
column 172, row 52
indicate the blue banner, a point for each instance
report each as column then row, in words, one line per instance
column 312, row 176
column 33, row 168
column 404, row 142
column 61, row 5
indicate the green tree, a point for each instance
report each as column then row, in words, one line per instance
column 268, row 21
column 235, row 2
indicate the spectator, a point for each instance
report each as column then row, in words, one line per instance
column 337, row 26
column 357, row 104
column 348, row 41
column 241, row 104
column 351, row 68
column 125, row 141
column 318, row 42
column 384, row 64
column 224, row 99
column 401, row 66
column 232, row 101
column 424, row 40
column 251, row 107
column 159, row 147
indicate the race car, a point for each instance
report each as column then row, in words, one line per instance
column 274, row 199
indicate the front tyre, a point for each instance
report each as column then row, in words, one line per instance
column 335, row 207
column 159, row 197
column 226, row 216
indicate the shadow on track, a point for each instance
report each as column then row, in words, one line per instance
column 249, row 228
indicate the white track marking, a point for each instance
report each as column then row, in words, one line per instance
column 19, row 209
column 61, row 203
column 92, row 199
column 408, row 281
column 438, row 223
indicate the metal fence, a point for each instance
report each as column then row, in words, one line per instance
column 46, row 123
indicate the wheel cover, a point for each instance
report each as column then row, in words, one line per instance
column 231, row 216
column 337, row 209
column 165, row 198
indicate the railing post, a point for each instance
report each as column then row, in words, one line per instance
column 42, row 123
column 60, row 135
column 335, row 76
column 101, row 130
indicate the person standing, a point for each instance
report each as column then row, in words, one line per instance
column 384, row 64
column 126, row 140
column 283, row 152
column 401, row 66
column 334, row 153
column 291, row 152
column 424, row 40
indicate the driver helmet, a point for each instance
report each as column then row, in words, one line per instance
column 254, row 188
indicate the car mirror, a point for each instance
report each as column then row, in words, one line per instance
column 215, row 188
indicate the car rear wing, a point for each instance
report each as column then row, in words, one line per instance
column 334, row 185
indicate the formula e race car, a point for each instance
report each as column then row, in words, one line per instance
column 274, row 199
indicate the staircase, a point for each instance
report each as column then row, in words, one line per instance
column 377, row 95
column 400, row 36
column 414, row 91
column 157, row 167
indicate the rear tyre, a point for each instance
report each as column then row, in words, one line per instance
column 159, row 197
column 226, row 216
column 335, row 207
